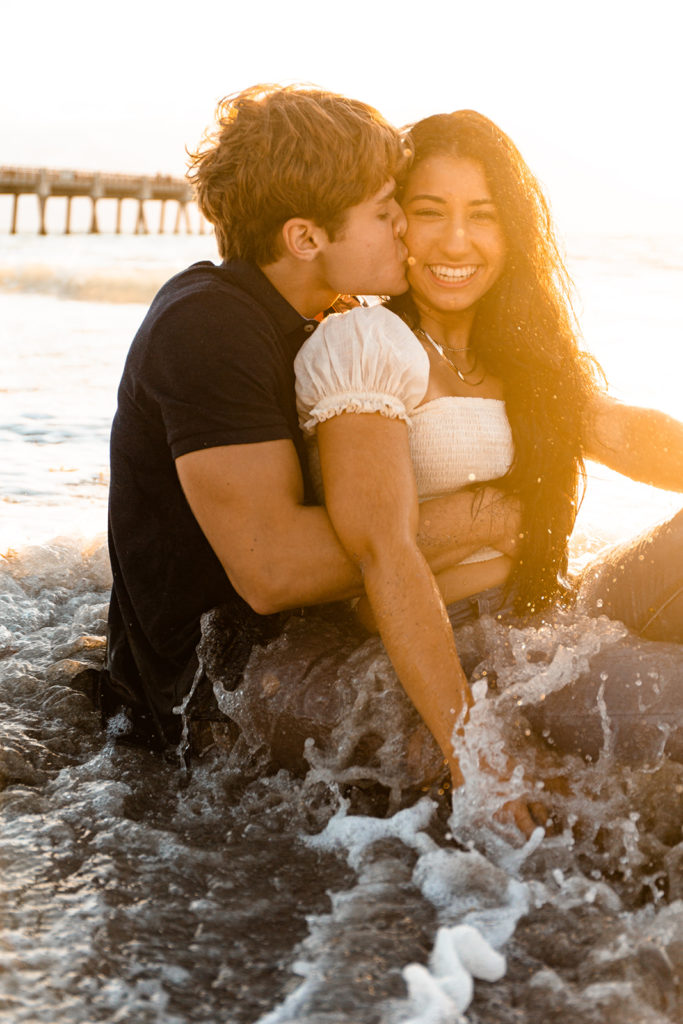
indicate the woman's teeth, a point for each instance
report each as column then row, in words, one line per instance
column 453, row 273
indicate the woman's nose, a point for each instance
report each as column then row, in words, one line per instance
column 456, row 238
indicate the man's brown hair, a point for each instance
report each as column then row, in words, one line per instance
column 288, row 151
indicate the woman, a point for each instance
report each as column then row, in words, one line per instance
column 476, row 375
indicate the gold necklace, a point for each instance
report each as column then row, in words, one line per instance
column 442, row 349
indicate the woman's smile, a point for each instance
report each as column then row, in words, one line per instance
column 453, row 275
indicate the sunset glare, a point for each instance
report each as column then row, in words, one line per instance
column 589, row 91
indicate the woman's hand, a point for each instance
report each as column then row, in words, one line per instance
column 527, row 815
column 523, row 811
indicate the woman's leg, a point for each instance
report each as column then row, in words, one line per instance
column 640, row 583
column 630, row 699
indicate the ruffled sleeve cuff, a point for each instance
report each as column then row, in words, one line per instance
column 333, row 405
column 363, row 361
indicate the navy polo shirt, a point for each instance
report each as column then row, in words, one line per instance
column 212, row 364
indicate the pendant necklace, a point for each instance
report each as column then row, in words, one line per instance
column 442, row 349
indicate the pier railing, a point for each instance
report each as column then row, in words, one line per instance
column 45, row 183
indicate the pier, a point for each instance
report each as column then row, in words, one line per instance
column 96, row 186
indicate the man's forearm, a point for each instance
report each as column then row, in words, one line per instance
column 450, row 528
column 281, row 554
column 456, row 525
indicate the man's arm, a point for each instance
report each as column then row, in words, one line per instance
column 277, row 552
column 456, row 525
column 280, row 554
column 643, row 444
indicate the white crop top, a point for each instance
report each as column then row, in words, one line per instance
column 368, row 360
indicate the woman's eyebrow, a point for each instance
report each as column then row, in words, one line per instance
column 432, row 199
column 440, row 199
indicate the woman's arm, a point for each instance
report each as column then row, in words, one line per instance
column 371, row 499
column 454, row 582
column 643, row 444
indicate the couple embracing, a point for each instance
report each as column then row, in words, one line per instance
column 418, row 456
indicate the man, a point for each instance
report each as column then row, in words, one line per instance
column 210, row 494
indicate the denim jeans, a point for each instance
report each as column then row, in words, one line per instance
column 486, row 602
column 640, row 583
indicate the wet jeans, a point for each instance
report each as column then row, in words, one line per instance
column 486, row 602
column 640, row 583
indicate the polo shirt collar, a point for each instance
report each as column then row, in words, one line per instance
column 252, row 279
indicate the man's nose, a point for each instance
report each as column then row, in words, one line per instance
column 400, row 221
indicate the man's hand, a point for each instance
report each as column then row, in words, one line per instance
column 456, row 525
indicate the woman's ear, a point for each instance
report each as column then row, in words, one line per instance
column 302, row 238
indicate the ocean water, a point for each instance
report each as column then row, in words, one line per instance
column 134, row 891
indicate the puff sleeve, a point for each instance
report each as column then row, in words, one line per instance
column 366, row 360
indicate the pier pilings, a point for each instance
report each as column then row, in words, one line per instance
column 96, row 186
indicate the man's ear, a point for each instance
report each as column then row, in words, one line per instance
column 303, row 239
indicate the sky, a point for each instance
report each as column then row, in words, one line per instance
column 589, row 91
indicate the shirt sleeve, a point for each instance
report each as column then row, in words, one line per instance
column 366, row 360
column 211, row 372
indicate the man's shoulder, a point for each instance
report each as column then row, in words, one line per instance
column 209, row 305
column 208, row 284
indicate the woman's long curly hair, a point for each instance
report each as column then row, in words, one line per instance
column 525, row 333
